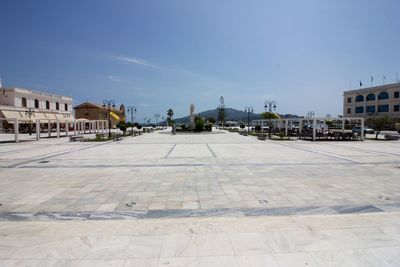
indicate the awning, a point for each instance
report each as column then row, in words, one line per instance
column 40, row 116
column 11, row 115
column 51, row 116
column 44, row 117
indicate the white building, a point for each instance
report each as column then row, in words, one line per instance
column 15, row 103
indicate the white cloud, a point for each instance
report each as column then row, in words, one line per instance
column 138, row 61
column 114, row 78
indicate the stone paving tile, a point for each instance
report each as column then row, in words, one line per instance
column 217, row 178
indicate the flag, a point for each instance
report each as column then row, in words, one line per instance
column 372, row 79
column 114, row 115
column 360, row 84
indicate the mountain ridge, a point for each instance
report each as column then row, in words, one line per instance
column 231, row 114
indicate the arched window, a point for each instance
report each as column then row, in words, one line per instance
column 359, row 98
column 47, row 105
column 24, row 102
column 370, row 97
column 36, row 103
column 57, row 106
column 383, row 95
column 66, row 107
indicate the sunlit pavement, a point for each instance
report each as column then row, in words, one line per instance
column 199, row 200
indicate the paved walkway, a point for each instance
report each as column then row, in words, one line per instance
column 232, row 200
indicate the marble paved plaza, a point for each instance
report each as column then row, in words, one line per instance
column 199, row 200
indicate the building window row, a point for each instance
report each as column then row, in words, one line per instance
column 24, row 104
column 372, row 109
column 372, row 97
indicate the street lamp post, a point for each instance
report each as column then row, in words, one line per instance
column 221, row 111
column 249, row 110
column 269, row 105
column 310, row 114
column 30, row 112
column 132, row 109
column 109, row 104
column 157, row 116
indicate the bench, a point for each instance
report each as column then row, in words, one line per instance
column 75, row 138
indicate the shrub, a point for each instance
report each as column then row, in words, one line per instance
column 257, row 128
column 211, row 120
column 199, row 124
column 122, row 126
column 242, row 126
column 208, row 127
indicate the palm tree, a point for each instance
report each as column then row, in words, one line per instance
column 170, row 113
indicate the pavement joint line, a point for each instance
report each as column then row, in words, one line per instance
column 202, row 165
column 211, row 151
column 17, row 165
column 193, row 213
column 170, row 151
column 22, row 150
column 320, row 152
column 365, row 150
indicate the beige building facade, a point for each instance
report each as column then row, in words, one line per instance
column 373, row 101
column 94, row 111
column 28, row 106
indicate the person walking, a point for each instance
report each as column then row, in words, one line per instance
column 173, row 129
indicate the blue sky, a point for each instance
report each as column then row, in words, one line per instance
column 168, row 54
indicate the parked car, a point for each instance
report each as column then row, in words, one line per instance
column 390, row 135
column 366, row 130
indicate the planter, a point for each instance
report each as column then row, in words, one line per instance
column 261, row 137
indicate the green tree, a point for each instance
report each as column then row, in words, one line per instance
column 379, row 124
column 122, row 126
column 221, row 111
column 199, row 123
column 269, row 116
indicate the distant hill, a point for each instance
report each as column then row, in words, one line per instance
column 231, row 114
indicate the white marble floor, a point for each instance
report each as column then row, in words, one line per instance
column 213, row 175
column 336, row 240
